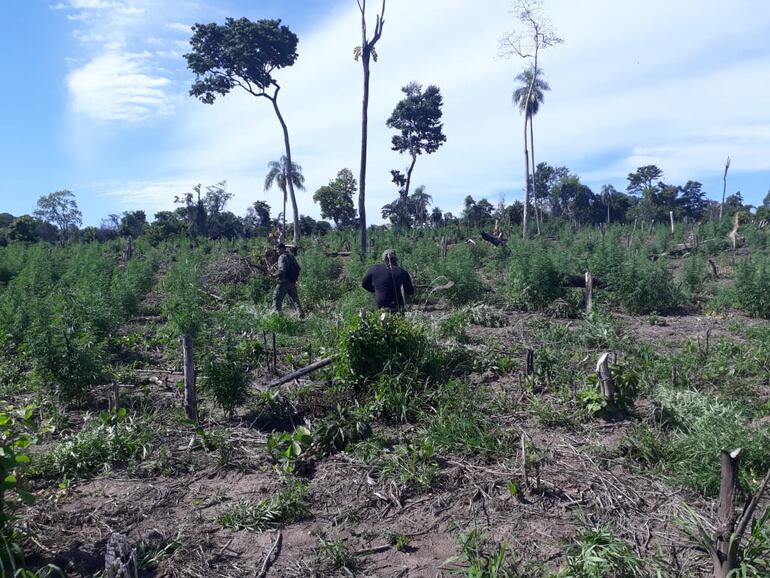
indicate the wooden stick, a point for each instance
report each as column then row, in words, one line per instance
column 589, row 292
column 266, row 562
column 300, row 372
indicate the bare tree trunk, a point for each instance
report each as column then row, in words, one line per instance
column 525, row 218
column 538, row 212
column 190, row 397
column 671, row 216
column 724, row 188
column 362, row 172
column 289, row 183
column 366, row 51
column 409, row 176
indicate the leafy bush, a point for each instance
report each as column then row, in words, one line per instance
column 643, row 287
column 695, row 274
column 16, row 434
column 698, row 427
column 67, row 356
column 751, row 291
column 534, row 281
column 105, row 441
column 225, row 377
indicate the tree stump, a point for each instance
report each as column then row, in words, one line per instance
column 608, row 388
column 589, row 292
column 120, row 559
column 725, row 554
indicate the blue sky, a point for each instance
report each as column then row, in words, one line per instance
column 95, row 99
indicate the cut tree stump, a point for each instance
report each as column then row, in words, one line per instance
column 120, row 559
column 725, row 552
column 589, row 292
column 608, row 388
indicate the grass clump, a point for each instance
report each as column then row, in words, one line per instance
column 599, row 553
column 105, row 441
column 284, row 507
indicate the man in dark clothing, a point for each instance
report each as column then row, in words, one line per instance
column 287, row 273
column 386, row 282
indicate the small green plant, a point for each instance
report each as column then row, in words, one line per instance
column 284, row 507
column 105, row 440
column 288, row 449
column 399, row 541
column 412, row 466
column 599, row 553
column 339, row 428
column 485, row 560
column 334, row 555
column 626, row 382
column 218, row 440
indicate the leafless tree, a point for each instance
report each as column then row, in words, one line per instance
column 534, row 34
column 366, row 52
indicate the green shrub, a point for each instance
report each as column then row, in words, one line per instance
column 226, row 378
column 106, row 440
column 534, row 281
column 644, row 287
column 697, row 428
column 751, row 292
column 694, row 274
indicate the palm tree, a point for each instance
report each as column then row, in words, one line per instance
column 532, row 86
column 278, row 174
column 422, row 201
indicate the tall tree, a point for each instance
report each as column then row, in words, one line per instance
column 59, row 209
column 366, row 52
column 644, row 180
column 537, row 34
column 285, row 175
column 244, row 54
column 526, row 79
column 417, row 117
column 336, row 199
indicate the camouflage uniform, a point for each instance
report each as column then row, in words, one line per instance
column 285, row 287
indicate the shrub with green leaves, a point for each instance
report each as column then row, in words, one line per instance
column 697, row 427
column 225, row 377
column 534, row 282
column 643, row 286
column 16, row 435
column 751, row 292
column 67, row 355
column 106, row 440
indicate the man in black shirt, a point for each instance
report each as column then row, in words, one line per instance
column 386, row 281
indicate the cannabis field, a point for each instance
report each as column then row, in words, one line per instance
column 471, row 436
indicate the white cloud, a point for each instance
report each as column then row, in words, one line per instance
column 116, row 87
column 681, row 84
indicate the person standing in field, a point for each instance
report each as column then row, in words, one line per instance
column 386, row 281
column 287, row 273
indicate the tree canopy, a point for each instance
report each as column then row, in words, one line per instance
column 417, row 117
column 59, row 209
column 239, row 53
column 336, row 199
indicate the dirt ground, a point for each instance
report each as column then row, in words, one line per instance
column 173, row 506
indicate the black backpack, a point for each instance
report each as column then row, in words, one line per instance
column 293, row 269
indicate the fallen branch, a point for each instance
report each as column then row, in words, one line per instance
column 266, row 562
column 496, row 241
column 300, row 372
